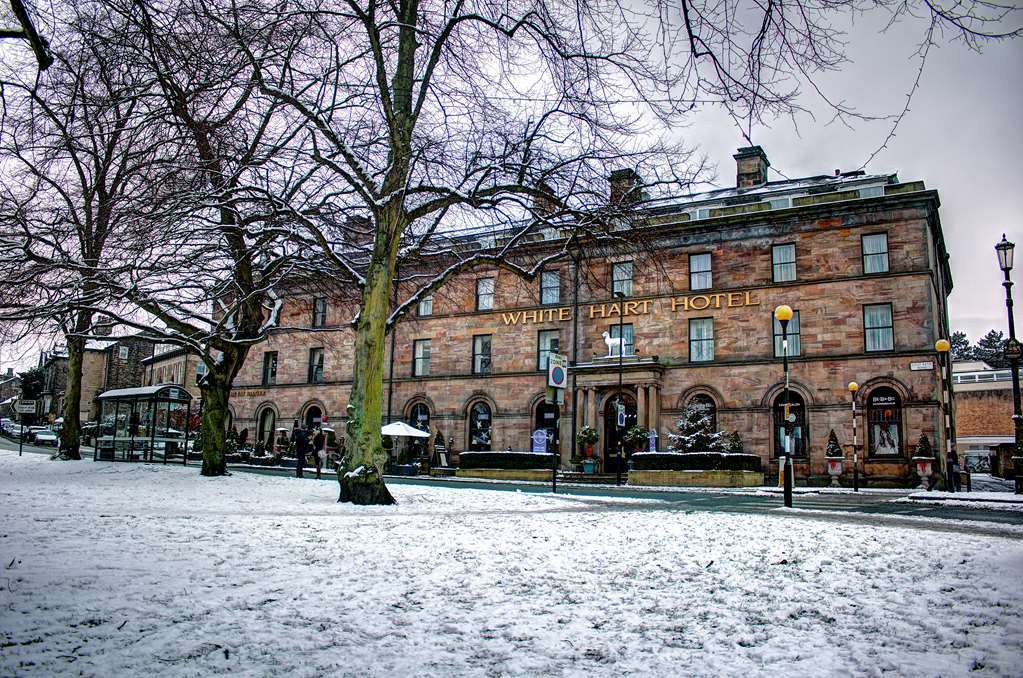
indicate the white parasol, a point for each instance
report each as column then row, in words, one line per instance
column 403, row 430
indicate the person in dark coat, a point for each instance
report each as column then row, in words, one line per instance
column 319, row 450
column 953, row 472
column 300, row 438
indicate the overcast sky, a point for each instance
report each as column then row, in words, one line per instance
column 963, row 136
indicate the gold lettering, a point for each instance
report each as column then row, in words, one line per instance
column 734, row 299
column 564, row 314
column 646, row 305
column 594, row 308
column 717, row 300
column 751, row 303
column 697, row 299
column 512, row 318
column 550, row 314
column 680, row 301
column 631, row 307
column 530, row 315
column 614, row 310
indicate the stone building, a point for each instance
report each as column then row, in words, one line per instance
column 860, row 258
column 983, row 403
column 174, row 365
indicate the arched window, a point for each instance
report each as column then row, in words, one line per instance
column 419, row 416
column 884, row 423
column 797, row 417
column 267, row 421
column 546, row 418
column 480, row 427
column 705, row 404
column 313, row 417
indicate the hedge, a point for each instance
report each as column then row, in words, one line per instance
column 505, row 460
column 694, row 461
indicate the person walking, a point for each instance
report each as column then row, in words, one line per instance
column 300, row 439
column 953, row 472
column 319, row 450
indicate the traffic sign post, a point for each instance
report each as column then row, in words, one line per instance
column 23, row 407
column 557, row 382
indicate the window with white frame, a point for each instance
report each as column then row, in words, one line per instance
column 550, row 287
column 701, row 276
column 319, row 312
column 481, row 344
column 547, row 342
column 875, row 253
column 701, row 340
column 425, row 306
column 484, row 294
column 878, row 329
column 783, row 263
column 421, row 357
column 625, row 329
column 792, row 332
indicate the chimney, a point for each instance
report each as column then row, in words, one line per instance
column 626, row 187
column 544, row 205
column 751, row 165
column 10, row 372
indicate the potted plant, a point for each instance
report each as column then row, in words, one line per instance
column 835, row 458
column 587, row 437
column 590, row 464
column 923, row 461
column 636, row 438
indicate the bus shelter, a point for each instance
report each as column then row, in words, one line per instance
column 148, row 423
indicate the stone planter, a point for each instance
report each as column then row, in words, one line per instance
column 836, row 466
column 589, row 465
column 924, row 466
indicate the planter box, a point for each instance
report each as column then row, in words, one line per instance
column 697, row 478
column 505, row 474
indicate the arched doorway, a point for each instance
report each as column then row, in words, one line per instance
column 265, row 424
column 418, row 417
column 546, row 418
column 480, row 427
column 799, row 431
column 613, row 434
column 313, row 417
column 884, row 423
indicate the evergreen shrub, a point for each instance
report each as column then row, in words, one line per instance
column 505, row 460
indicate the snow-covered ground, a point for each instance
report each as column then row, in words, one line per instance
column 129, row 570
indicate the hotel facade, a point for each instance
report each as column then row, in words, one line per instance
column 860, row 259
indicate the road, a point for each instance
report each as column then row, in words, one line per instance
column 863, row 507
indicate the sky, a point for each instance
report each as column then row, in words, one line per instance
column 962, row 136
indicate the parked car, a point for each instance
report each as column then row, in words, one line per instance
column 14, row 430
column 46, row 437
column 30, row 434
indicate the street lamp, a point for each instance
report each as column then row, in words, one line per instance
column 783, row 314
column 620, row 414
column 1012, row 352
column 942, row 347
column 853, row 387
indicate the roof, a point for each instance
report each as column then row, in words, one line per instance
column 165, row 391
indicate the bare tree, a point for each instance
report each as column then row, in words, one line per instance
column 81, row 162
column 26, row 30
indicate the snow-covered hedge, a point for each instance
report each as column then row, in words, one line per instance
column 694, row 461
column 505, row 460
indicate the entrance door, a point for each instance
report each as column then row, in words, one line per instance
column 313, row 417
column 613, row 434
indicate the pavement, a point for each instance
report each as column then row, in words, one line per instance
column 876, row 507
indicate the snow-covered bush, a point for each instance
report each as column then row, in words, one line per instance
column 695, row 433
column 636, row 437
column 587, row 436
column 694, row 461
column 735, row 445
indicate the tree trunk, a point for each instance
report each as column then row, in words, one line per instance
column 361, row 476
column 70, row 433
column 215, row 396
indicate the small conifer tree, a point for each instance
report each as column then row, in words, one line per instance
column 923, row 446
column 735, row 443
column 834, row 449
column 695, row 433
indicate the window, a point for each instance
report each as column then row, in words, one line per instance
column 875, row 253
column 425, row 306
column 420, row 357
column 479, row 427
column 269, row 368
column 700, row 276
column 546, row 418
column 701, row 340
column 884, row 423
column 316, row 366
column 798, row 426
column 783, row 262
column 550, row 287
column 626, row 329
column 419, row 416
column 484, row 294
column 547, row 343
column 621, row 278
column 200, row 371
column 265, row 435
column 878, row 333
column 792, row 332
column 481, row 354
column 123, row 352
column 319, row 312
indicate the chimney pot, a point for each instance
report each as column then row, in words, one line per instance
column 838, row 172
column 751, row 165
column 626, row 187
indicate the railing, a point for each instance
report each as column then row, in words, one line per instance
column 986, row 376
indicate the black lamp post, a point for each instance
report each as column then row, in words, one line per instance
column 783, row 314
column 1012, row 352
column 619, row 415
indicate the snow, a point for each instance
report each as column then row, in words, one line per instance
column 993, row 501
column 131, row 569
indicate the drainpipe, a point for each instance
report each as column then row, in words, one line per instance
column 575, row 347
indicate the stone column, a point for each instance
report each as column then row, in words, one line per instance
column 593, row 407
column 641, row 405
column 654, row 405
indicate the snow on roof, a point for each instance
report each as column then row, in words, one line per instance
column 147, row 392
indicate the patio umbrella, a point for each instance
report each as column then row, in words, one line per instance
column 403, row 430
